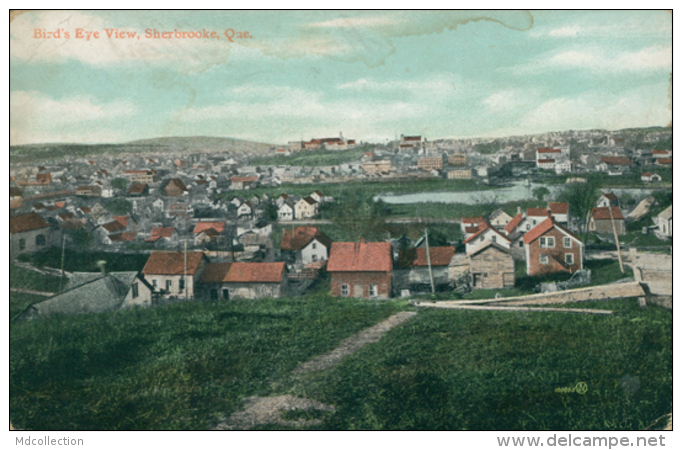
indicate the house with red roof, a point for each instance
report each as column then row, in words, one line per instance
column 551, row 248
column 614, row 165
column 243, row 280
column 163, row 236
column 174, row 274
column 28, row 233
column 471, row 225
column 305, row 245
column 241, row 183
column 209, row 232
column 603, row 221
column 175, row 188
column 515, row 230
column 664, row 161
column 486, row 234
column 536, row 216
column 649, row 177
column 608, row 199
column 560, row 211
column 361, row 269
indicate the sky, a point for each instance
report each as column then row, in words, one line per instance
column 372, row 75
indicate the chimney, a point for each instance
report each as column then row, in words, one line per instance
column 102, row 267
column 518, row 210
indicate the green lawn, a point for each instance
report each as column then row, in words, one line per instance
column 176, row 367
column 476, row 370
column 27, row 279
column 314, row 158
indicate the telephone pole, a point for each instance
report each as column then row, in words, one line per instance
column 428, row 261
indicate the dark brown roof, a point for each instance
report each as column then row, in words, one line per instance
column 360, row 257
column 416, row 257
column 26, row 222
column 616, row 160
column 114, row 226
column 302, row 236
column 535, row 212
column 558, row 208
column 137, row 188
column 172, row 263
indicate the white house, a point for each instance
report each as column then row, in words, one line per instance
column 286, row 211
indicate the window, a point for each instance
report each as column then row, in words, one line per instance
column 314, row 257
column 373, row 290
column 40, row 240
column 547, row 242
column 154, row 283
column 169, row 284
column 544, row 259
column 567, row 242
column 136, row 292
column 569, row 259
column 520, row 243
column 314, row 245
column 226, row 294
column 527, row 227
column 344, row 290
column 182, row 284
column 493, row 238
column 22, row 244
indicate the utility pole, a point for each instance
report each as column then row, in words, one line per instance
column 186, row 293
column 428, row 261
column 63, row 250
column 615, row 234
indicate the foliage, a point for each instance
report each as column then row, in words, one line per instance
column 581, row 197
column 489, row 148
column 119, row 206
column 540, row 193
column 86, row 261
column 81, row 238
column 119, row 183
column 361, row 219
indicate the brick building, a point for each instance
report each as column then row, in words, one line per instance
column 457, row 159
column 430, row 163
column 360, row 269
column 551, row 248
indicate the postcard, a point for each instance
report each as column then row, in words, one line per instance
column 341, row 220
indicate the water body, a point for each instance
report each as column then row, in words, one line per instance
column 517, row 191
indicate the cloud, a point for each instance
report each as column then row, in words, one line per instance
column 656, row 58
column 433, row 86
column 35, row 117
column 359, row 22
column 568, row 31
column 637, row 108
column 182, row 54
column 505, row 100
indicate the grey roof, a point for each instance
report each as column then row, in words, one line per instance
column 667, row 213
column 88, row 293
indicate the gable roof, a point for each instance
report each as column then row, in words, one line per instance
column 172, row 263
column 177, row 183
column 473, row 220
column 161, row 232
column 89, row 293
column 616, row 160
column 243, row 272
column 482, row 230
column 26, row 222
column 544, row 227
column 137, row 188
column 511, row 226
column 114, row 226
column 360, row 257
column 299, row 237
column 667, row 213
column 610, row 196
column 537, row 212
column 440, row 256
column 602, row 213
column 490, row 245
column 558, row 208
column 218, row 227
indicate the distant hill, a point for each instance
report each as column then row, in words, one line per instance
column 176, row 145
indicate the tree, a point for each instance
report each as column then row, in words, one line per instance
column 360, row 219
column 81, row 237
column 581, row 197
column 119, row 183
column 119, row 206
column 540, row 193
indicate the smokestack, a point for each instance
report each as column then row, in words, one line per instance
column 102, row 267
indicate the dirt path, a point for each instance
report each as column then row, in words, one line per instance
column 268, row 410
column 354, row 343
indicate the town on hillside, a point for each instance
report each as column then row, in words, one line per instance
column 227, row 225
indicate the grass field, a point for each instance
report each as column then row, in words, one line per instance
column 185, row 366
column 472, row 370
column 314, row 158
column 176, row 367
